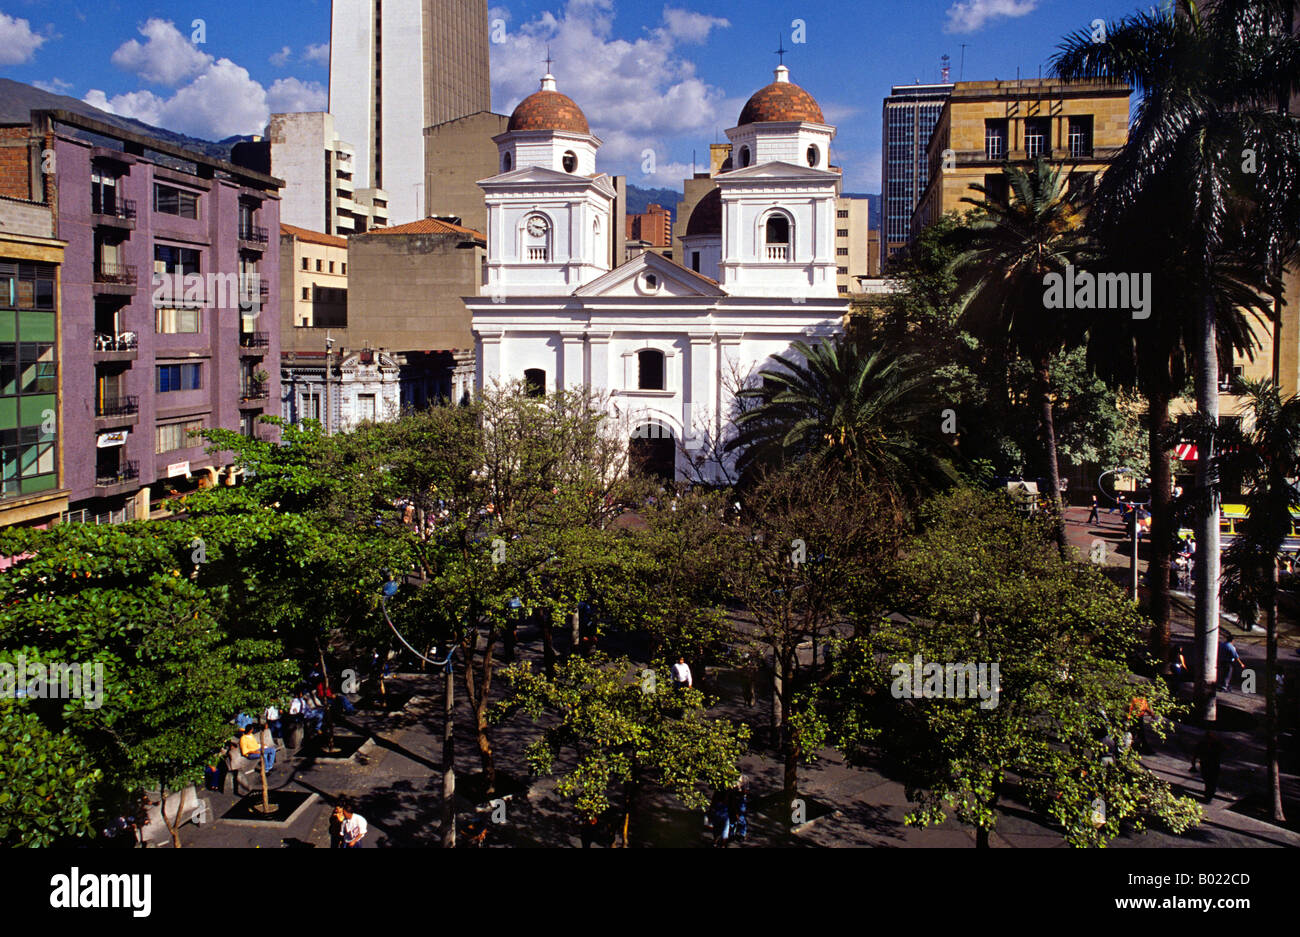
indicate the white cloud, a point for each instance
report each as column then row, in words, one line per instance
column 222, row 102
column 967, row 16
column 319, row 53
column 637, row 94
column 17, row 41
column 688, row 26
column 167, row 58
column 290, row 96
column 54, row 86
column 281, row 59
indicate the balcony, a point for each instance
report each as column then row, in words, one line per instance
column 778, row 253
column 117, row 279
column 255, row 390
column 116, row 411
column 254, row 343
column 252, row 237
column 113, row 213
column 122, row 346
column 127, row 472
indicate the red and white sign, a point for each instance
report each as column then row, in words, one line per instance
column 1185, row 451
column 178, row 468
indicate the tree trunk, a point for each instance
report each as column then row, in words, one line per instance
column 548, row 645
column 448, row 759
column 172, row 831
column 575, row 632
column 982, row 832
column 1047, row 425
column 1270, row 696
column 789, row 744
column 1207, row 511
column 1162, row 528
column 477, row 689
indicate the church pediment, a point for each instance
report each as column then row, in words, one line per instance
column 648, row 276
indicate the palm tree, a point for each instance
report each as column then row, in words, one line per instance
column 1266, row 456
column 834, row 402
column 1005, row 250
column 1208, row 83
column 1153, row 355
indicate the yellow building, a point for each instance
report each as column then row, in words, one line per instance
column 313, row 287
column 853, row 244
column 1079, row 125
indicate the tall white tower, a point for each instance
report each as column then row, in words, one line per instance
column 397, row 67
column 548, row 209
column 778, row 199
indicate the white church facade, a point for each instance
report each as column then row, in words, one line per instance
column 668, row 344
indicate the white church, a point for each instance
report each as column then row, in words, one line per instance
column 669, row 344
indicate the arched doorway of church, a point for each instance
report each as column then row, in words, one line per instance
column 652, row 451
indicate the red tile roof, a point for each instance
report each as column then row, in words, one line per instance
column 313, row 237
column 428, row 226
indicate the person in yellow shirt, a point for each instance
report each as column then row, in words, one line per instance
column 250, row 747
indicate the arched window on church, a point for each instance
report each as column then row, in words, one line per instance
column 744, row 157
column 505, row 162
column 534, row 382
column 776, row 237
column 650, row 369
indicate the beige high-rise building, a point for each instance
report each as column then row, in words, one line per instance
column 853, row 257
column 1078, row 125
column 457, row 154
column 396, row 68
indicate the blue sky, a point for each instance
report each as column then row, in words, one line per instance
column 667, row 77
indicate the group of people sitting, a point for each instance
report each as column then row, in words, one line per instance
column 258, row 739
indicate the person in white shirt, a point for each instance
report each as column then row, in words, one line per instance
column 682, row 673
column 272, row 720
column 351, row 826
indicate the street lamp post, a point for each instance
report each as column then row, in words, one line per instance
column 1137, row 527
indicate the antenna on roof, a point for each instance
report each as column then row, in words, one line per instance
column 945, row 67
column 961, row 74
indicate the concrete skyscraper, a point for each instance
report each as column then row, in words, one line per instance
column 397, row 67
column 910, row 113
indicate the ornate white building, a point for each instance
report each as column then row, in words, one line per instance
column 670, row 344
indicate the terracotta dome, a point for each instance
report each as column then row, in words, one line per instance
column 547, row 109
column 707, row 217
column 782, row 100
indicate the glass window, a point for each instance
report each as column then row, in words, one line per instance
column 535, row 382
column 172, row 436
column 650, row 369
column 169, row 200
column 174, row 377
column 176, row 321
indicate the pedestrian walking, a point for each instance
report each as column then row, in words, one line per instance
column 1228, row 656
column 682, row 673
column 352, row 826
column 1210, row 754
column 738, row 810
column 1092, row 515
column 720, row 818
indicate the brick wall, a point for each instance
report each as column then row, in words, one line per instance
column 15, row 177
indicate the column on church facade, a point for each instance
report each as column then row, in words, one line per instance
column 699, row 402
column 598, row 346
column 490, row 358
column 572, row 372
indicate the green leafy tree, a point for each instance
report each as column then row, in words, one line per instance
column 982, row 585
column 1005, row 250
column 627, row 727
